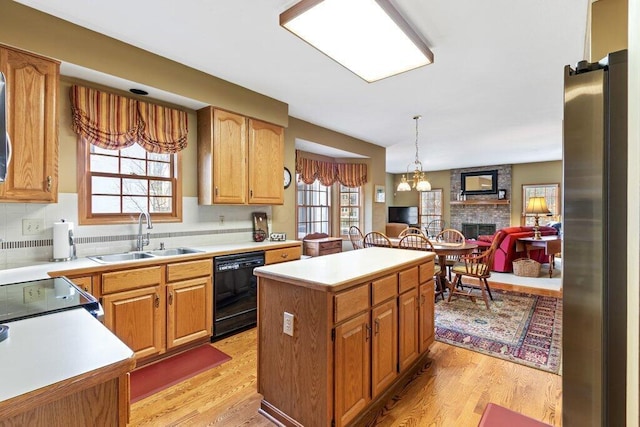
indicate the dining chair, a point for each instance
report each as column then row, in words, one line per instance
column 434, row 227
column 477, row 266
column 450, row 235
column 377, row 239
column 410, row 230
column 421, row 243
column 356, row 237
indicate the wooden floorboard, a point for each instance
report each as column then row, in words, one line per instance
column 452, row 391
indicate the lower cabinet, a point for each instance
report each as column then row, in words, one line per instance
column 137, row 318
column 384, row 346
column 409, row 327
column 426, row 317
column 153, row 319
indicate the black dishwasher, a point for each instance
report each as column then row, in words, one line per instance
column 235, row 292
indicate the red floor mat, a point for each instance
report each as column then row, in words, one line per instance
column 153, row 378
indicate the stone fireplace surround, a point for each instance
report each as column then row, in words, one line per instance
column 484, row 214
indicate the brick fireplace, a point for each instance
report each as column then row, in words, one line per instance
column 486, row 214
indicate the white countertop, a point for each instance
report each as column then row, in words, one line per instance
column 44, row 350
column 40, row 271
column 336, row 269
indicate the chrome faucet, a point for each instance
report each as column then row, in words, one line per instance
column 141, row 241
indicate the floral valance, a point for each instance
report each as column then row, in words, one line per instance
column 115, row 122
column 347, row 174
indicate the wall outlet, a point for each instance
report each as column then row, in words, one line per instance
column 32, row 293
column 287, row 327
column 32, row 226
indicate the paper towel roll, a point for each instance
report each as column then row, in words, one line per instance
column 61, row 244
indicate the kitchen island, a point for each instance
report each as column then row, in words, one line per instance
column 63, row 369
column 339, row 334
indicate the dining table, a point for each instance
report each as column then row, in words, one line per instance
column 444, row 249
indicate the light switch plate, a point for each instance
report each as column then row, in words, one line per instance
column 287, row 327
column 32, row 227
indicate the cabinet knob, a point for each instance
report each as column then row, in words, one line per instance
column 377, row 323
column 284, row 255
column 170, row 298
column 368, row 332
column 157, row 301
column 49, row 183
column 216, row 190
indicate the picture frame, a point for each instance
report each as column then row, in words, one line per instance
column 379, row 194
column 260, row 226
column 502, row 194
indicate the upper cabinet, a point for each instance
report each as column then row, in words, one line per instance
column 240, row 160
column 32, row 124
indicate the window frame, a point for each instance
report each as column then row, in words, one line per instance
column 431, row 216
column 301, row 185
column 553, row 202
column 359, row 206
column 84, row 175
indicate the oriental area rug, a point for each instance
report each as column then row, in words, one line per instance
column 519, row 327
column 158, row 376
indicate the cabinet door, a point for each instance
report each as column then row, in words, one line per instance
column 85, row 283
column 408, row 328
column 229, row 158
column 32, row 124
column 352, row 375
column 384, row 350
column 266, row 163
column 427, row 321
column 189, row 311
column 137, row 318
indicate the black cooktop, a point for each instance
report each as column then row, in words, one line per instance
column 37, row 297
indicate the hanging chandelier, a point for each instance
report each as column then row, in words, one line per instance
column 419, row 179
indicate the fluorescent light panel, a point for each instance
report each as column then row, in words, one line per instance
column 368, row 37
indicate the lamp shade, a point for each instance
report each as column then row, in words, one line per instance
column 537, row 205
column 404, row 185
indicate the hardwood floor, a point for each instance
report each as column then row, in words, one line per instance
column 452, row 391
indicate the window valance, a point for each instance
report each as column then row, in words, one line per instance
column 347, row 174
column 115, row 122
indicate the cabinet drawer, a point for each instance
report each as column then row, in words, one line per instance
column 85, row 283
column 131, row 279
column 351, row 302
column 383, row 289
column 281, row 255
column 408, row 279
column 426, row 271
column 189, row 270
column 337, row 244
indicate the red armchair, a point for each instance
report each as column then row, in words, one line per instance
column 506, row 252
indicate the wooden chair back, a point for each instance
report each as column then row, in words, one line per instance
column 434, row 227
column 356, row 237
column 416, row 242
column 449, row 235
column 375, row 238
column 410, row 230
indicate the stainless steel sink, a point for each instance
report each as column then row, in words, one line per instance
column 128, row 256
column 174, row 251
column 132, row 256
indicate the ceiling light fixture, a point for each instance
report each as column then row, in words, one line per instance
column 419, row 180
column 368, row 37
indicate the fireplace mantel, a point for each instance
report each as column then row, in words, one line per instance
column 480, row 202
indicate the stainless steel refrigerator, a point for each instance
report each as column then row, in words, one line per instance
column 595, row 242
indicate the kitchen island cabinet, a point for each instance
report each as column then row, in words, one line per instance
column 331, row 331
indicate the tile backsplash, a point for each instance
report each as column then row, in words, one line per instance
column 200, row 226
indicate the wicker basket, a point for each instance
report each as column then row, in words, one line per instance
column 526, row 267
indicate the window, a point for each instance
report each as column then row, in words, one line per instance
column 116, row 185
column 430, row 208
column 314, row 208
column 349, row 208
column 551, row 193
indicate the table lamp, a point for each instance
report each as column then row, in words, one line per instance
column 537, row 206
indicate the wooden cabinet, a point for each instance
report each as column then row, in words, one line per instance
column 384, row 346
column 137, row 318
column 275, row 256
column 426, row 316
column 85, row 283
column 324, row 246
column 157, row 308
column 32, row 124
column 189, row 302
column 376, row 334
column 240, row 160
column 352, row 363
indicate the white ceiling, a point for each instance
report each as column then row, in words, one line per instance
column 492, row 96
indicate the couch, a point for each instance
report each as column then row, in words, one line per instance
column 506, row 251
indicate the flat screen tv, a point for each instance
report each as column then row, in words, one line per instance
column 405, row 214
